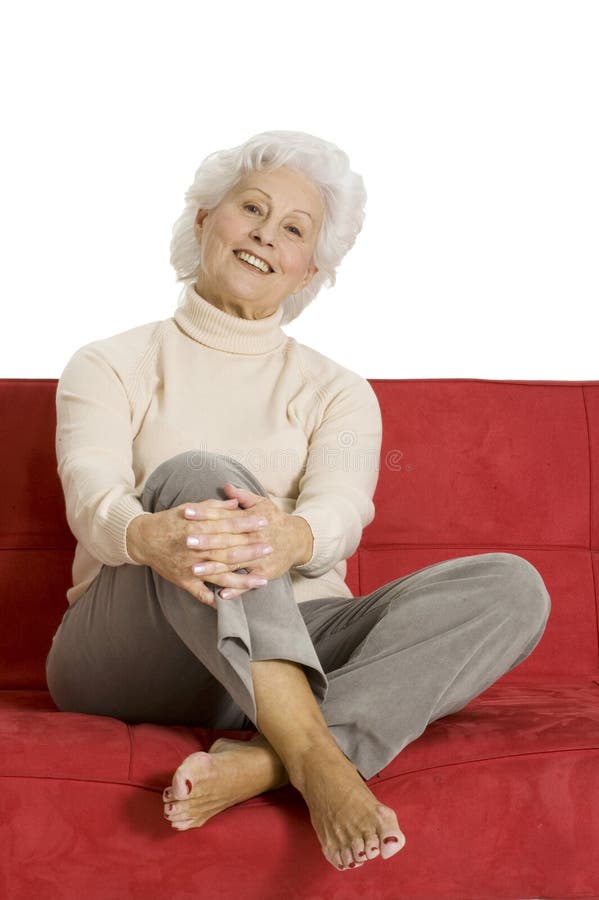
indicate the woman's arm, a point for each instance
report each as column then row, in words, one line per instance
column 340, row 477
column 94, row 454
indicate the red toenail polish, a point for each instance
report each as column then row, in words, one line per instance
column 188, row 786
column 352, row 865
column 387, row 839
column 170, row 806
column 361, row 853
column 339, row 867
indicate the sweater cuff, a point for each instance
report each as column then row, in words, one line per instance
column 326, row 548
column 121, row 513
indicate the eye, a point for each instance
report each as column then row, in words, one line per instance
column 253, row 206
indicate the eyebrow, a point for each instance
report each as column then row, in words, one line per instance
column 270, row 198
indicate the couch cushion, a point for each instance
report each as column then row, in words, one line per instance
column 481, row 795
column 541, row 716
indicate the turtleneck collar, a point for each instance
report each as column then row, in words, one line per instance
column 211, row 326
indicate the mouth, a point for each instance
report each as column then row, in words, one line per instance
column 259, row 265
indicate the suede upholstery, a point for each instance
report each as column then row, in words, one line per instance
column 496, row 801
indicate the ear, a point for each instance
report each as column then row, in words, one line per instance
column 310, row 273
column 199, row 221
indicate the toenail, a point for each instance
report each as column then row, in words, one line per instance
column 352, row 865
column 361, row 853
column 340, row 867
column 387, row 839
column 170, row 807
column 188, row 786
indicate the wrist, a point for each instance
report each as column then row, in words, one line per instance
column 304, row 541
column 134, row 539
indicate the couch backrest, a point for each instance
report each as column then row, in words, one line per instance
column 467, row 466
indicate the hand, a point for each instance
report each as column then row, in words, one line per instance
column 160, row 541
column 289, row 535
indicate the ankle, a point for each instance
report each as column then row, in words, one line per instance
column 316, row 752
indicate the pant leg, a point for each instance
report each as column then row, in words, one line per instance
column 422, row 647
column 138, row 647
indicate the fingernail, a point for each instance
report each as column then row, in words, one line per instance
column 257, row 582
column 199, row 569
column 189, row 511
column 224, row 594
column 267, row 550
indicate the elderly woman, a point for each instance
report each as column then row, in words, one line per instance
column 217, row 475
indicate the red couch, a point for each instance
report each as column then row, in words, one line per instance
column 497, row 802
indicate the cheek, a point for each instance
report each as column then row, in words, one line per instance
column 295, row 264
column 229, row 227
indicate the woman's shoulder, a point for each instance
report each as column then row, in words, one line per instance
column 120, row 353
column 328, row 373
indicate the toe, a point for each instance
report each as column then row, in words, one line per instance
column 391, row 843
column 177, row 814
column 182, row 784
column 347, row 858
column 183, row 825
column 334, row 857
column 359, row 854
column 372, row 846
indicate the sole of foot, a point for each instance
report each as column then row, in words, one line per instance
column 208, row 783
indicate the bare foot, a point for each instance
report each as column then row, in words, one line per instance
column 231, row 772
column 351, row 825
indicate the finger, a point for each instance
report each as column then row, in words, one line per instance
column 206, row 596
column 238, row 582
column 231, row 557
column 229, row 593
column 233, row 523
column 208, row 508
column 222, row 540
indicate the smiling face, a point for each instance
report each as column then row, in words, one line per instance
column 274, row 216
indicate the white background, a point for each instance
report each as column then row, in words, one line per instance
column 474, row 125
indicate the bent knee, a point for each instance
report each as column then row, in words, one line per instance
column 199, row 472
column 525, row 589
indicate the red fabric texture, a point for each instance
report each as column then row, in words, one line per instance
column 496, row 801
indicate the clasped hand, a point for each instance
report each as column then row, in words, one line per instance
column 227, row 541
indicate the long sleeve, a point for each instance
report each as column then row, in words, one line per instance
column 341, row 474
column 94, row 455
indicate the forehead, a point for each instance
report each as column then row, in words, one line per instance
column 286, row 186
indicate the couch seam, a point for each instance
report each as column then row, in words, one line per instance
column 130, row 735
column 379, row 779
column 483, row 759
column 586, row 415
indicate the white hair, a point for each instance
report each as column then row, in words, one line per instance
column 325, row 164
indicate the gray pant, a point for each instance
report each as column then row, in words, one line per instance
column 382, row 666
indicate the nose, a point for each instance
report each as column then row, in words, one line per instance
column 262, row 234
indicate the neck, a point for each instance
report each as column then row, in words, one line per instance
column 209, row 325
column 234, row 306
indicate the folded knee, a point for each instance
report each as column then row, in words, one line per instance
column 194, row 475
column 525, row 589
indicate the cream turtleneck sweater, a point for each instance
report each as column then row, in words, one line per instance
column 309, row 429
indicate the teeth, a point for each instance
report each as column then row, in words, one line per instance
column 253, row 261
